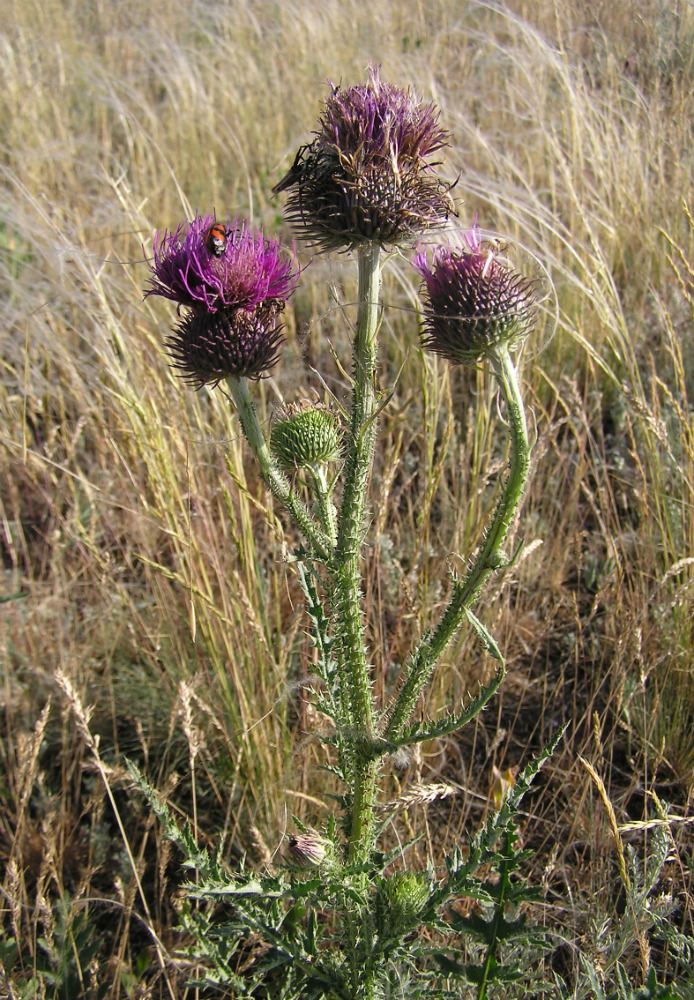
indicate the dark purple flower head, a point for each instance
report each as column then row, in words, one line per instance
column 368, row 175
column 474, row 301
column 234, row 283
column 208, row 347
column 216, row 266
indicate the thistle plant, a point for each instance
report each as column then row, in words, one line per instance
column 335, row 919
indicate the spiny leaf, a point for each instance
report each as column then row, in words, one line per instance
column 486, row 639
column 420, row 731
column 502, row 929
column 231, row 888
column 504, row 819
column 475, row 974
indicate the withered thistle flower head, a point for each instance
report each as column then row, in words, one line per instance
column 232, row 284
column 306, row 435
column 474, row 301
column 368, row 176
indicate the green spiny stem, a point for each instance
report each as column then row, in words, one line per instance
column 352, row 513
column 346, row 579
column 273, row 476
column 465, row 593
column 362, row 831
column 325, row 508
column 499, row 907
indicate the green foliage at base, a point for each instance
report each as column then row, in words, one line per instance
column 343, row 931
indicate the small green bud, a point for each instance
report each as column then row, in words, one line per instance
column 497, row 559
column 308, row 434
column 409, row 891
column 403, row 896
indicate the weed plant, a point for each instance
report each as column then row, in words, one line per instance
column 143, row 590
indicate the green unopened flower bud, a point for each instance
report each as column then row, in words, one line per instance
column 400, row 901
column 407, row 893
column 307, row 435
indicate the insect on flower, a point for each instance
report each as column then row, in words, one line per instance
column 216, row 239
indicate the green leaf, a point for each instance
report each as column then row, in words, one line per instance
column 420, row 732
column 487, row 930
column 310, row 936
column 451, row 968
column 486, row 639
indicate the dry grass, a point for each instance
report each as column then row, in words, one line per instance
column 142, row 559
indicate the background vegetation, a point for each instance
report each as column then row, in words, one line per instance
column 147, row 609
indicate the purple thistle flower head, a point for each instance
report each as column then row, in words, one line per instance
column 368, row 175
column 216, row 266
column 234, row 282
column 474, row 302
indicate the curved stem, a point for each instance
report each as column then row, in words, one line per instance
column 273, row 476
column 490, row 557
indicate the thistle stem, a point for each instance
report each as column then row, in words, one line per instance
column 352, row 513
column 349, row 629
column 361, row 837
column 272, row 475
column 465, row 593
column 325, row 508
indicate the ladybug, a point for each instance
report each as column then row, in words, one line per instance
column 216, row 239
